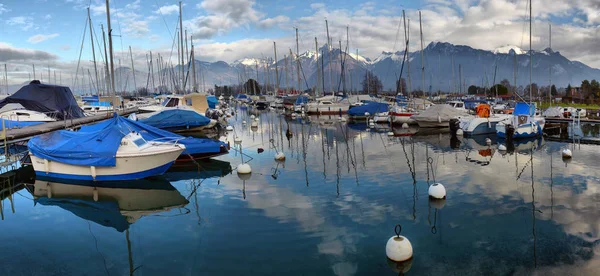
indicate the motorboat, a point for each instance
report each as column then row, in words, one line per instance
column 108, row 154
column 179, row 120
column 438, row 116
column 56, row 102
column 484, row 122
column 328, row 105
column 195, row 102
column 16, row 112
column 521, row 124
column 363, row 112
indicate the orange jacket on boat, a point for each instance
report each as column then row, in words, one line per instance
column 483, row 110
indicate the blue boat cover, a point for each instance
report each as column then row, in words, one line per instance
column 18, row 124
column 524, row 109
column 56, row 101
column 176, row 118
column 371, row 107
column 97, row 144
column 212, row 101
column 301, row 100
column 93, row 98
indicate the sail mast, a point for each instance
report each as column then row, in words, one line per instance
column 112, row 68
column 133, row 72
column 530, row 54
column 317, row 90
column 329, row 48
column 93, row 56
column 181, row 44
column 193, row 66
column 298, row 61
column 550, row 69
column 276, row 70
column 422, row 56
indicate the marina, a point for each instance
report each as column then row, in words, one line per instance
column 175, row 141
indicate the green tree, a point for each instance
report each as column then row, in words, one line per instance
column 568, row 92
column 595, row 88
column 251, row 86
column 472, row 90
column 501, row 89
column 585, row 88
column 553, row 91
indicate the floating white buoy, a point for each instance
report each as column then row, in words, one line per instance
column 229, row 128
column 460, row 132
column 398, row 248
column 280, row 156
column 371, row 121
column 367, row 114
column 252, row 116
column 256, row 119
column 243, row 122
column 237, row 139
column 293, row 114
column 244, row 168
column 566, row 153
column 437, row 191
column 488, row 141
column 371, row 125
column 254, row 124
column 405, row 126
column 502, row 147
column 391, row 133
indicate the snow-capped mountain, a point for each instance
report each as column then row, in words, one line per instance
column 509, row 49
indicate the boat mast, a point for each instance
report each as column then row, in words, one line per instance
column 329, row 53
column 550, row 69
column 297, row 60
column 422, row 56
column 317, row 91
column 112, row 68
column 342, row 75
column 6, row 78
column 193, row 66
column 93, row 56
column 530, row 54
column 181, row 43
column 133, row 72
column 287, row 87
column 276, row 70
column 408, row 57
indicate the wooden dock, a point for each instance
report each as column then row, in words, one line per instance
column 22, row 134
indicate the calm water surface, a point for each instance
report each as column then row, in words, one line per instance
column 327, row 210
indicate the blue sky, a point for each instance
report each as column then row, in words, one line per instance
column 51, row 31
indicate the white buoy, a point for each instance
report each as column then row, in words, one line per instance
column 244, row 168
column 256, row 119
column 280, row 156
column 237, row 139
column 460, row 132
column 229, row 128
column 502, row 147
column 243, row 122
column 398, row 248
column 371, row 125
column 566, row 153
column 367, row 114
column 254, row 124
column 252, row 116
column 488, row 141
column 405, row 126
column 437, row 191
column 391, row 133
column 371, row 121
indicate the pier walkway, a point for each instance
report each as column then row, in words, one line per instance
column 21, row 134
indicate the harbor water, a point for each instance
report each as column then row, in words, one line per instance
column 328, row 209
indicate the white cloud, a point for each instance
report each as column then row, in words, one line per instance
column 25, row 22
column 3, row 9
column 41, row 37
column 133, row 6
column 48, row 17
column 171, row 9
column 11, row 53
column 223, row 15
column 317, row 6
column 271, row 22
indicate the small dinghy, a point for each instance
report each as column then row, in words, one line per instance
column 111, row 153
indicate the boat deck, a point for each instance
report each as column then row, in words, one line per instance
column 21, row 134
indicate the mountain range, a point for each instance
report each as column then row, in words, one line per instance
column 444, row 65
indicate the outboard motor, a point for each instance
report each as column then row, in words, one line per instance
column 454, row 125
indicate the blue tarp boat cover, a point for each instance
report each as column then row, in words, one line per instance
column 301, row 100
column 176, row 118
column 56, row 101
column 524, row 109
column 212, row 101
column 97, row 144
column 371, row 107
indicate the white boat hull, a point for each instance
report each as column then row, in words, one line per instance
column 128, row 166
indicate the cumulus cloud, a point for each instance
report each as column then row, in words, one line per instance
column 170, row 9
column 270, row 22
column 24, row 22
column 11, row 53
column 3, row 9
column 223, row 15
column 41, row 37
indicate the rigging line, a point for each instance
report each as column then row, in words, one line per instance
column 165, row 21
column 80, row 52
column 393, row 50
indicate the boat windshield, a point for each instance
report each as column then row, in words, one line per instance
column 139, row 142
column 170, row 102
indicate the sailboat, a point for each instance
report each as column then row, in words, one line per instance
column 523, row 123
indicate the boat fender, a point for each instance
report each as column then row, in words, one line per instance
column 93, row 172
column 244, row 168
column 405, row 126
column 398, row 248
column 566, row 154
column 280, row 156
column 48, row 190
column 95, row 194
